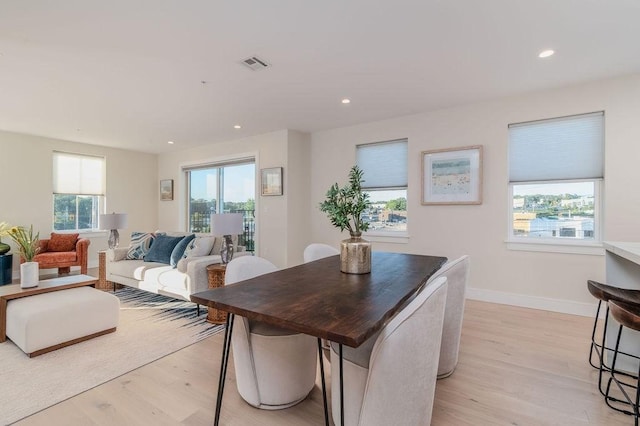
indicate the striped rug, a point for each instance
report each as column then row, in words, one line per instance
column 151, row 327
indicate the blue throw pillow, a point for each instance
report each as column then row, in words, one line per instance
column 179, row 249
column 161, row 249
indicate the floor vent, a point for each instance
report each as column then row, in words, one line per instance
column 255, row 63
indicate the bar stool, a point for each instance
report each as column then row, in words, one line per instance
column 605, row 293
column 628, row 315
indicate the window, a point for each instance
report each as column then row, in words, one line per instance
column 385, row 180
column 78, row 191
column 555, row 179
column 222, row 188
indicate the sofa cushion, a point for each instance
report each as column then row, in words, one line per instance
column 140, row 244
column 161, row 249
column 199, row 246
column 62, row 242
column 50, row 257
column 179, row 249
column 135, row 269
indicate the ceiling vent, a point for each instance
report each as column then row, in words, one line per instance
column 255, row 63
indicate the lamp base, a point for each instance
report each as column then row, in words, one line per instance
column 114, row 239
column 226, row 254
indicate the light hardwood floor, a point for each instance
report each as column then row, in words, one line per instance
column 517, row 367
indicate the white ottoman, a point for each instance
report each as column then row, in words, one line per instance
column 46, row 322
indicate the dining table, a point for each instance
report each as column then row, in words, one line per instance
column 317, row 299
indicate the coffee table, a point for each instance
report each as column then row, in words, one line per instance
column 13, row 291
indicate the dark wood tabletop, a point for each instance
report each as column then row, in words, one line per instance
column 315, row 298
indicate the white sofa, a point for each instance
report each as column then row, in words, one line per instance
column 190, row 275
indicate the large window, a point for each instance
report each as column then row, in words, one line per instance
column 222, row 188
column 78, row 191
column 385, row 180
column 555, row 179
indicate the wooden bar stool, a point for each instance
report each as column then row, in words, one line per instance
column 605, row 293
column 628, row 315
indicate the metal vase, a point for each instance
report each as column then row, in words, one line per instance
column 355, row 255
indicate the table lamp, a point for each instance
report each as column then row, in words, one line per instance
column 113, row 221
column 226, row 224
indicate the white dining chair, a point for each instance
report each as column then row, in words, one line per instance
column 275, row 368
column 317, row 251
column 457, row 273
column 390, row 379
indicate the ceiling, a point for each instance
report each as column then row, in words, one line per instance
column 135, row 74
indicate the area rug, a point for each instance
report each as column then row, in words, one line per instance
column 151, row 327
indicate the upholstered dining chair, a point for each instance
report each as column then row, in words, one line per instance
column 317, row 251
column 275, row 368
column 391, row 378
column 457, row 273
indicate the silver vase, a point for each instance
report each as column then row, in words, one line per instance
column 355, row 255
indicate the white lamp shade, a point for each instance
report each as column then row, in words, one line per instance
column 113, row 221
column 226, row 224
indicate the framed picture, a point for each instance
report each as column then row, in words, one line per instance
column 166, row 190
column 271, row 181
column 452, row 176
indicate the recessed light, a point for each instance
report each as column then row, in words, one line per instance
column 546, row 53
column 170, row 142
column 346, row 101
column 237, row 126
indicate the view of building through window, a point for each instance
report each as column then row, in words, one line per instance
column 222, row 189
column 75, row 212
column 554, row 210
column 388, row 210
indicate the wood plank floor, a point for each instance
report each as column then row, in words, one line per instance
column 517, row 367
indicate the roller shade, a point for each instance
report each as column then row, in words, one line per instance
column 557, row 149
column 384, row 164
column 78, row 174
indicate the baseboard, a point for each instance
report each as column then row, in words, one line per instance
column 534, row 302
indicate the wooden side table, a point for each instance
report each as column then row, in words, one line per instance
column 102, row 283
column 215, row 274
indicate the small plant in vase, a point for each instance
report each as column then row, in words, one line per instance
column 344, row 207
column 28, row 246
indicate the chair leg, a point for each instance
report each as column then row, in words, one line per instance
column 593, row 339
column 621, row 384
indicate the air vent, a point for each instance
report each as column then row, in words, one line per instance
column 255, row 63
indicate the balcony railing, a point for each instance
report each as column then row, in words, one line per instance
column 200, row 222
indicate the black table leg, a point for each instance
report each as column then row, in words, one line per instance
column 324, row 388
column 341, row 390
column 223, row 365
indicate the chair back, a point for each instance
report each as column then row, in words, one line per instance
column 457, row 273
column 405, row 357
column 317, row 251
column 246, row 267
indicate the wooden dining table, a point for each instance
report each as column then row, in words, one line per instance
column 317, row 299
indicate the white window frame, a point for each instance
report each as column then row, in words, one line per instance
column 560, row 245
column 98, row 193
column 389, row 236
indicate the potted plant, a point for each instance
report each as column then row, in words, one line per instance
column 344, row 207
column 28, row 246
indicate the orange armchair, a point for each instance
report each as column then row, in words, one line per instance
column 63, row 251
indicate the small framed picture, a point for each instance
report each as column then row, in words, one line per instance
column 271, row 181
column 166, row 190
column 452, row 176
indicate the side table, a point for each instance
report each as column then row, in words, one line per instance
column 102, row 283
column 6, row 265
column 215, row 274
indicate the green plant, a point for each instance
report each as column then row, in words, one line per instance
column 28, row 244
column 344, row 206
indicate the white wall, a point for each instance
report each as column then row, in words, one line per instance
column 26, row 189
column 547, row 280
column 274, row 238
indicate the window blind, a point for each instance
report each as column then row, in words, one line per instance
column 557, row 149
column 78, row 174
column 384, row 164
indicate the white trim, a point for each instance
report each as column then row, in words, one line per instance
column 397, row 237
column 556, row 247
column 533, row 302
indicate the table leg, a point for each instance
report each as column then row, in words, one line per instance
column 223, row 365
column 324, row 388
column 341, row 389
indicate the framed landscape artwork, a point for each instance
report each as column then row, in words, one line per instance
column 271, row 181
column 452, row 176
column 166, row 190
